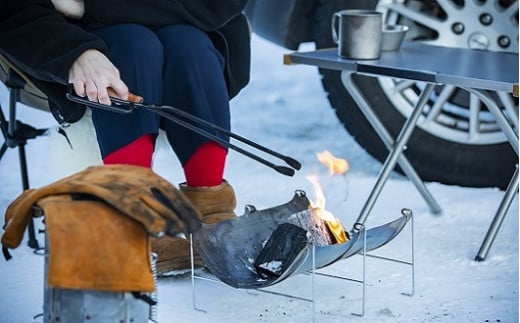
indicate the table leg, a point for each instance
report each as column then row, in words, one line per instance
column 495, row 225
column 502, row 121
column 389, row 142
column 396, row 153
column 512, row 188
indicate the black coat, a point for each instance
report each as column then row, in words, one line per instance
column 44, row 44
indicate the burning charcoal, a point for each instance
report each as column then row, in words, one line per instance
column 284, row 244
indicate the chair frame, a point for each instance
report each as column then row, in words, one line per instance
column 15, row 133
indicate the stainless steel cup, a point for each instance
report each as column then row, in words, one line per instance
column 358, row 33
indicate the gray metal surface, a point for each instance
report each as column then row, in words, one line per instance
column 68, row 305
column 229, row 248
column 481, row 69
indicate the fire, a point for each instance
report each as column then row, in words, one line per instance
column 334, row 164
column 333, row 223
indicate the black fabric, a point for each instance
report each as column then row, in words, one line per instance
column 28, row 30
column 207, row 15
column 63, row 110
column 236, row 46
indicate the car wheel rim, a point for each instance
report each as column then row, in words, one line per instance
column 452, row 113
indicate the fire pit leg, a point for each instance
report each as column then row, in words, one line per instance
column 361, row 228
column 412, row 263
column 313, row 253
column 364, row 235
column 195, row 276
column 313, row 273
column 364, row 253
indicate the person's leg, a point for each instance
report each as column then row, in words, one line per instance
column 138, row 54
column 138, row 152
column 194, row 82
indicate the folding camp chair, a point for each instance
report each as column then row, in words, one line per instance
column 15, row 133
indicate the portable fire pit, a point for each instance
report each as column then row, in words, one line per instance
column 264, row 247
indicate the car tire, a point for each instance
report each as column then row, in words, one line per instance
column 435, row 159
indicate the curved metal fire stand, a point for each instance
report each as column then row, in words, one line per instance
column 229, row 249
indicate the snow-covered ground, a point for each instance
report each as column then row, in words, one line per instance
column 285, row 108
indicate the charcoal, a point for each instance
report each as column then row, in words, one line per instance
column 280, row 250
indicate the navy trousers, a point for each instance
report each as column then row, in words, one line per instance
column 175, row 65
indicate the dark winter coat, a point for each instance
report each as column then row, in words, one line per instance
column 44, row 44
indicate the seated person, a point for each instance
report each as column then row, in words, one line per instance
column 190, row 54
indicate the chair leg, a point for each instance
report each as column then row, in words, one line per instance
column 14, row 139
column 3, row 149
column 32, row 242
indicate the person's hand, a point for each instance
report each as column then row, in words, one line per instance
column 92, row 74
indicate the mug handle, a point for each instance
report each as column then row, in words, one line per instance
column 334, row 24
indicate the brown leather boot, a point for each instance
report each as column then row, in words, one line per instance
column 215, row 203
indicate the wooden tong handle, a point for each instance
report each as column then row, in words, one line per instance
column 131, row 97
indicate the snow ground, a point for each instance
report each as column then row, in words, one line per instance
column 286, row 109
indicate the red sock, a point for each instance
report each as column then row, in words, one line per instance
column 206, row 166
column 139, row 153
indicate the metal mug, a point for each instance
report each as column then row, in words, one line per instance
column 358, row 33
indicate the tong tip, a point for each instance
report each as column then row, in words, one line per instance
column 293, row 163
column 284, row 170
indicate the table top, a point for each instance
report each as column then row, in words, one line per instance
column 470, row 68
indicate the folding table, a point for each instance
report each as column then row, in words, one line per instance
column 477, row 71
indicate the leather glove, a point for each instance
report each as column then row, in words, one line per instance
column 136, row 192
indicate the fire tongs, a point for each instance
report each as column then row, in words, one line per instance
column 175, row 114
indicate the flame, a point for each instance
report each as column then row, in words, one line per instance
column 334, row 164
column 333, row 223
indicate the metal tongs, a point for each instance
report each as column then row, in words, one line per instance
column 173, row 114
